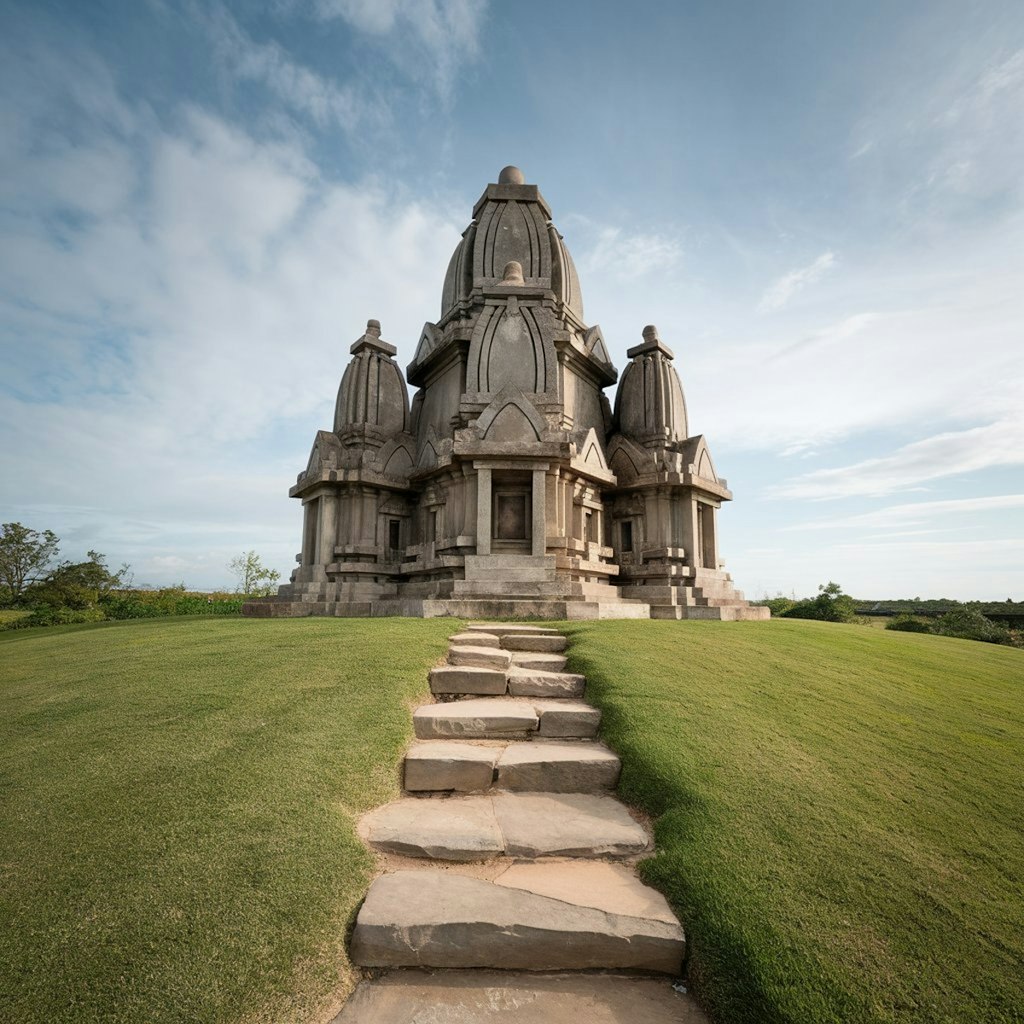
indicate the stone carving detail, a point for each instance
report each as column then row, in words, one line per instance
column 509, row 486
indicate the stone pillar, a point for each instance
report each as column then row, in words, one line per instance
column 327, row 533
column 483, row 510
column 689, row 538
column 540, row 544
column 309, row 531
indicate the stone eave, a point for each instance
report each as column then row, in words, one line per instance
column 450, row 349
column 360, row 475
column 579, row 359
column 515, row 193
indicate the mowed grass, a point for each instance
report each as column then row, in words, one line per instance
column 177, row 809
column 840, row 812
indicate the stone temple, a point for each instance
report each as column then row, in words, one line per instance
column 508, row 486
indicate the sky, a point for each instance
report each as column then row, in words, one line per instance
column 821, row 207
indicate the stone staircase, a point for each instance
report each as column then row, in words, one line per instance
column 509, row 852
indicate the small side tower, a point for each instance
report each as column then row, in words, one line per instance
column 665, row 504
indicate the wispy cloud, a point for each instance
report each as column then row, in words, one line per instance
column 778, row 294
column 631, row 255
column 428, row 39
column 947, row 454
column 916, row 513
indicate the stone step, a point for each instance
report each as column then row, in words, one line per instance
column 474, row 640
column 544, row 662
column 467, row 679
column 450, row 765
column 529, row 682
column 506, row 718
column 443, row 919
column 519, row 997
column 510, row 629
column 480, row 657
column 548, row 766
column 473, row 828
column 548, row 644
column 545, row 766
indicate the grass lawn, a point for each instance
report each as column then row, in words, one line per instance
column 177, row 801
column 841, row 812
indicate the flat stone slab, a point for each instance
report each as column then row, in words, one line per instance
column 480, row 657
column 567, row 718
column 567, row 825
column 478, row 719
column 508, row 997
column 510, row 629
column 613, row 888
column 443, row 919
column 544, row 662
column 460, row 679
column 441, row 765
column 475, row 640
column 552, row 767
column 545, row 644
column 458, row 828
column 530, row 682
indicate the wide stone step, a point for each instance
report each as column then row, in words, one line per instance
column 518, row 997
column 467, row 679
column 503, row 629
column 443, row 919
column 480, row 657
column 550, row 766
column 544, row 662
column 475, row 640
column 506, row 718
column 470, row 828
column 529, row 682
column 549, row 644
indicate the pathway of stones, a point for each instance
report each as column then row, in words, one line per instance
column 510, row 863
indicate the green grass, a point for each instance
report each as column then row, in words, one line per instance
column 177, row 806
column 839, row 812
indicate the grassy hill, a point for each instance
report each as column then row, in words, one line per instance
column 839, row 812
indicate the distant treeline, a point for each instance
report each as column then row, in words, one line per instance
column 1008, row 611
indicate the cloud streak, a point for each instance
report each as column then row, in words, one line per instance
column 778, row 294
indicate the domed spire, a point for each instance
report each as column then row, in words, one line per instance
column 372, row 392
column 649, row 405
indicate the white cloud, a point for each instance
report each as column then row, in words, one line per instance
column 630, row 256
column 948, row 454
column 778, row 294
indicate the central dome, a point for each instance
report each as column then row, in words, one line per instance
column 511, row 224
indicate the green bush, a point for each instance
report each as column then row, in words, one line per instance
column 969, row 624
column 55, row 617
column 908, row 624
column 779, row 605
column 148, row 604
column 831, row 605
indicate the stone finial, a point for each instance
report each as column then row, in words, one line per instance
column 513, row 276
column 511, row 176
column 650, row 333
column 373, row 327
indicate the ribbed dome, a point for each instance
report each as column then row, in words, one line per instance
column 373, row 391
column 649, row 404
column 512, row 224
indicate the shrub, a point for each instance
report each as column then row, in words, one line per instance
column 908, row 624
column 969, row 624
column 55, row 617
column 831, row 605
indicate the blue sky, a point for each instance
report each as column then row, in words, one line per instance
column 821, row 206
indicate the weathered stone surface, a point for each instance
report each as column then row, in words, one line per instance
column 543, row 662
column 550, row 644
column 480, row 657
column 502, row 629
column 610, row 887
column 567, row 718
column 459, row 679
column 552, row 767
column 481, row 719
column 567, row 825
column 528, row 682
column 441, row 919
column 509, row 997
column 437, row 765
column 474, row 639
column 457, row 828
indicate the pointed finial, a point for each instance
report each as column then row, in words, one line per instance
column 650, row 333
column 513, row 276
column 511, row 176
column 373, row 327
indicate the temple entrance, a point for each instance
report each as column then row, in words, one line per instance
column 511, row 513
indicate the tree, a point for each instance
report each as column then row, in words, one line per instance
column 77, row 585
column 25, row 557
column 254, row 579
column 831, row 605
